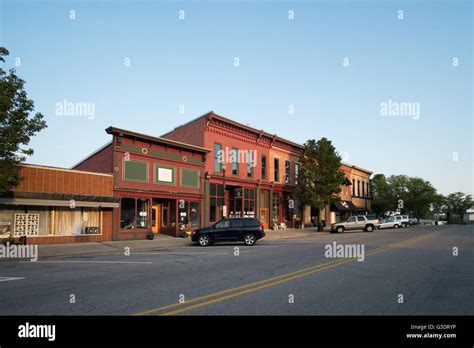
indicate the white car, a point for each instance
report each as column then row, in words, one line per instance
column 390, row 223
column 403, row 220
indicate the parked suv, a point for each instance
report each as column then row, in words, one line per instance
column 248, row 230
column 359, row 222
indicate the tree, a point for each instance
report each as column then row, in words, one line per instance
column 16, row 125
column 381, row 201
column 457, row 203
column 411, row 195
column 419, row 198
column 320, row 176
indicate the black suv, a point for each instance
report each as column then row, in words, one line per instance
column 248, row 230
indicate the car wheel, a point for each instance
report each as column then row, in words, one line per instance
column 404, row 225
column 395, row 226
column 249, row 239
column 340, row 229
column 204, row 240
column 369, row 228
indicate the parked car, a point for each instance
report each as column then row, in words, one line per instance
column 248, row 230
column 412, row 221
column 390, row 223
column 403, row 220
column 359, row 222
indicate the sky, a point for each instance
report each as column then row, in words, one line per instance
column 389, row 82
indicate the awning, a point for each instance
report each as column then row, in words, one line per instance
column 58, row 199
column 343, row 207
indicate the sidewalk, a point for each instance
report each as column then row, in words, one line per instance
column 161, row 242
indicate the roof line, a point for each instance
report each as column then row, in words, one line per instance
column 32, row 165
column 225, row 119
column 189, row 147
column 92, row 154
column 186, row 123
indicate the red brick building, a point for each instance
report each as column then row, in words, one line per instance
column 250, row 172
column 57, row 205
column 159, row 183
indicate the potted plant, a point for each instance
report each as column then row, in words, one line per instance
column 150, row 236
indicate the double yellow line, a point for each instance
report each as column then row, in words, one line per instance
column 265, row 283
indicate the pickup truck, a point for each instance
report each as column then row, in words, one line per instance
column 359, row 222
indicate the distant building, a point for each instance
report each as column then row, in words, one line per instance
column 469, row 216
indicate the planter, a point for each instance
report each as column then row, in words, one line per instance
column 150, row 236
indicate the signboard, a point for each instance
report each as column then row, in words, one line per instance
column 165, row 175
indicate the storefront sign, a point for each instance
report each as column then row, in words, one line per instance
column 165, row 175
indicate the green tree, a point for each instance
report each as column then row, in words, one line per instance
column 381, row 199
column 457, row 203
column 419, row 198
column 16, row 125
column 320, row 177
column 411, row 195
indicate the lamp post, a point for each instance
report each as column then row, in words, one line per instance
column 224, row 167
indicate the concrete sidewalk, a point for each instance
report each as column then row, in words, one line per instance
column 161, row 242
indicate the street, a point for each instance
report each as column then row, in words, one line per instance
column 404, row 272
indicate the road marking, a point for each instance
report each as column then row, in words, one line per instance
column 80, row 261
column 6, row 279
column 271, row 281
column 179, row 253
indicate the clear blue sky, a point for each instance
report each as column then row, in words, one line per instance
column 283, row 62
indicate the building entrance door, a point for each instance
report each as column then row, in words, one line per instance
column 264, row 217
column 156, row 218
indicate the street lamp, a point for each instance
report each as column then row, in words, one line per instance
column 224, row 167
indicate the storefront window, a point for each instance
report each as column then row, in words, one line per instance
column 249, row 203
column 276, row 208
column 166, row 214
column 142, row 213
column 195, row 214
column 127, row 213
column 216, row 202
column 183, row 213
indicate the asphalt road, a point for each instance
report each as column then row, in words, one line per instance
column 287, row 277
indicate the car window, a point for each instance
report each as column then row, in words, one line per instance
column 250, row 222
column 223, row 224
column 236, row 223
column 351, row 219
column 391, row 220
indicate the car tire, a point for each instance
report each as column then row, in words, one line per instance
column 369, row 228
column 404, row 224
column 204, row 240
column 250, row 239
column 340, row 229
column 395, row 226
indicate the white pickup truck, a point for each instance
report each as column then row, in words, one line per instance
column 359, row 222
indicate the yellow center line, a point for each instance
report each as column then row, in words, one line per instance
column 271, row 281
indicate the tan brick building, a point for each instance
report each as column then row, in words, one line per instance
column 57, row 205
